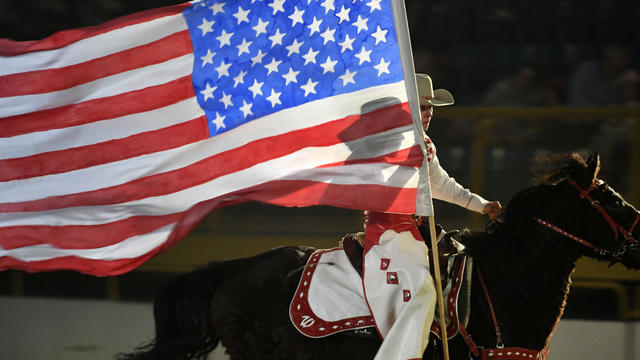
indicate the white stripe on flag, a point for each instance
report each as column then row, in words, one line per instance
column 109, row 86
column 94, row 47
column 385, row 174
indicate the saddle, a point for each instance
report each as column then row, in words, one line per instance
column 353, row 245
column 330, row 298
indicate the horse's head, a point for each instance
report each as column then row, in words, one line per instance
column 570, row 213
column 612, row 224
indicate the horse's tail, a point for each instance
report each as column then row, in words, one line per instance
column 182, row 313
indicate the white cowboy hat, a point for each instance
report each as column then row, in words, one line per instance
column 439, row 97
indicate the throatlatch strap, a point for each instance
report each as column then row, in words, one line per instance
column 499, row 344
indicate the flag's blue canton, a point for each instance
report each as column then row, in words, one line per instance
column 256, row 57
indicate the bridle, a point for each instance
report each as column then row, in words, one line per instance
column 628, row 241
column 502, row 352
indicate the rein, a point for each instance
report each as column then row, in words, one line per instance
column 499, row 352
column 615, row 226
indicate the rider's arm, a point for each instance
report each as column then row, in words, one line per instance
column 446, row 188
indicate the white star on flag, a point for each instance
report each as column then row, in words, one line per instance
column 223, row 69
column 327, row 35
column 224, row 38
column 380, row 35
column 290, row 76
column 328, row 5
column 242, row 15
column 276, row 39
column 208, row 58
column 226, row 100
column 315, row 26
column 239, row 79
column 258, row 58
column 261, row 28
column 374, row 5
column 361, row 24
column 208, row 91
column 309, row 87
column 310, row 56
column 246, row 108
column 256, row 88
column 206, row 26
column 218, row 121
column 382, row 67
column 363, row 55
column 217, row 8
column 296, row 17
column 274, row 98
column 347, row 77
column 272, row 66
column 294, row 48
column 346, row 44
column 343, row 15
column 277, row 6
column 328, row 65
column 244, row 47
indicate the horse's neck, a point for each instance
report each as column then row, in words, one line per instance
column 528, row 291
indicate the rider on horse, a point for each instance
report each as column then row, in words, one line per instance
column 397, row 284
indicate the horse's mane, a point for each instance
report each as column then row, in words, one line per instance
column 548, row 171
column 553, row 169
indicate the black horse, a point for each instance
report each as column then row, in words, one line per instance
column 525, row 261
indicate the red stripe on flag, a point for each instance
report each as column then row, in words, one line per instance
column 82, row 236
column 87, row 266
column 42, row 81
column 366, row 196
column 64, row 38
column 89, row 111
column 225, row 163
column 406, row 157
column 113, row 150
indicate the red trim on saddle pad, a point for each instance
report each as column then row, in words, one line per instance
column 303, row 317
column 452, row 301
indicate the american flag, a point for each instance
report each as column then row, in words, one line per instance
column 115, row 140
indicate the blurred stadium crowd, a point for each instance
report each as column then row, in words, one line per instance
column 530, row 53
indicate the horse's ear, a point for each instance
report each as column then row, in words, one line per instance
column 593, row 165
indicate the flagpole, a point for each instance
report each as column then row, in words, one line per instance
column 438, row 281
column 424, row 204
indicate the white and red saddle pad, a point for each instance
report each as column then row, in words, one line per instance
column 330, row 296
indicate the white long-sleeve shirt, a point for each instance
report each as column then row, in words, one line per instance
column 446, row 188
